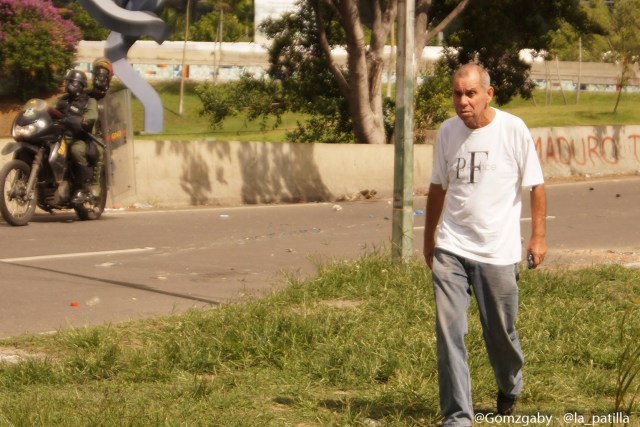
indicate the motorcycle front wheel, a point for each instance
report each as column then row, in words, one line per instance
column 16, row 206
column 93, row 209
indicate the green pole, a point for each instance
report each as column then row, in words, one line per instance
column 402, row 225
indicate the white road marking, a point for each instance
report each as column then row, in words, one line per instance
column 529, row 218
column 180, row 210
column 75, row 255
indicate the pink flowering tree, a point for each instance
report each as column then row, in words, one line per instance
column 37, row 47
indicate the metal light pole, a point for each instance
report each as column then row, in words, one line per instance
column 184, row 60
column 402, row 226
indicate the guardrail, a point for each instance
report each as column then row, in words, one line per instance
column 230, row 59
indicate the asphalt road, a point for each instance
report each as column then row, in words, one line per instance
column 59, row 272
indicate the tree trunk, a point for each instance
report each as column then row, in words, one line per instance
column 626, row 72
column 423, row 34
column 420, row 32
column 362, row 87
column 615, row 107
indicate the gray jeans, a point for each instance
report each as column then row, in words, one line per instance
column 496, row 291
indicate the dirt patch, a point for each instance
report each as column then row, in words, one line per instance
column 15, row 355
column 581, row 258
column 341, row 303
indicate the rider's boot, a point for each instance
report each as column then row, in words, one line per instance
column 84, row 193
column 98, row 166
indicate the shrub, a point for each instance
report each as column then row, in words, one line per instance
column 432, row 99
column 257, row 98
column 37, row 46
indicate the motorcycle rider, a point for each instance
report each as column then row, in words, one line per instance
column 80, row 115
column 102, row 72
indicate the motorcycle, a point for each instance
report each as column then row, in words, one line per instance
column 41, row 173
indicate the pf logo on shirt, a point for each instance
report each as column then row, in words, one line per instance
column 471, row 166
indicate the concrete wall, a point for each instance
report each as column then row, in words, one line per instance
column 187, row 173
column 233, row 173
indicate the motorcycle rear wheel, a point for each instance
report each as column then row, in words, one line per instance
column 16, row 206
column 93, row 209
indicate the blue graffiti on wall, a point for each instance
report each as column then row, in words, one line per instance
column 129, row 20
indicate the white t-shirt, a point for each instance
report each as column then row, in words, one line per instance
column 483, row 171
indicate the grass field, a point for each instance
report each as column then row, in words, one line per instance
column 192, row 126
column 594, row 108
column 353, row 346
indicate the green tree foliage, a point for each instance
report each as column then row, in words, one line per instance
column 432, row 99
column 37, row 46
column 257, row 98
column 493, row 33
column 89, row 27
column 297, row 62
column 567, row 39
column 175, row 20
column 241, row 10
column 204, row 18
column 206, row 28
column 347, row 95
column 262, row 99
column 299, row 81
column 625, row 40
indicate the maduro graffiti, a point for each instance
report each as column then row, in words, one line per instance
column 588, row 149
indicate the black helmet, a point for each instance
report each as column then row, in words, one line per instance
column 76, row 82
column 78, row 76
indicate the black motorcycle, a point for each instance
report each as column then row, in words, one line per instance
column 41, row 173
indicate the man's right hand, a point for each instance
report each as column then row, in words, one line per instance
column 428, row 251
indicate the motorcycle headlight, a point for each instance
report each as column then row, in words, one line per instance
column 28, row 130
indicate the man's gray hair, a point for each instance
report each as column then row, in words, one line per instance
column 466, row 69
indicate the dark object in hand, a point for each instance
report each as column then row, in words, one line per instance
column 530, row 260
